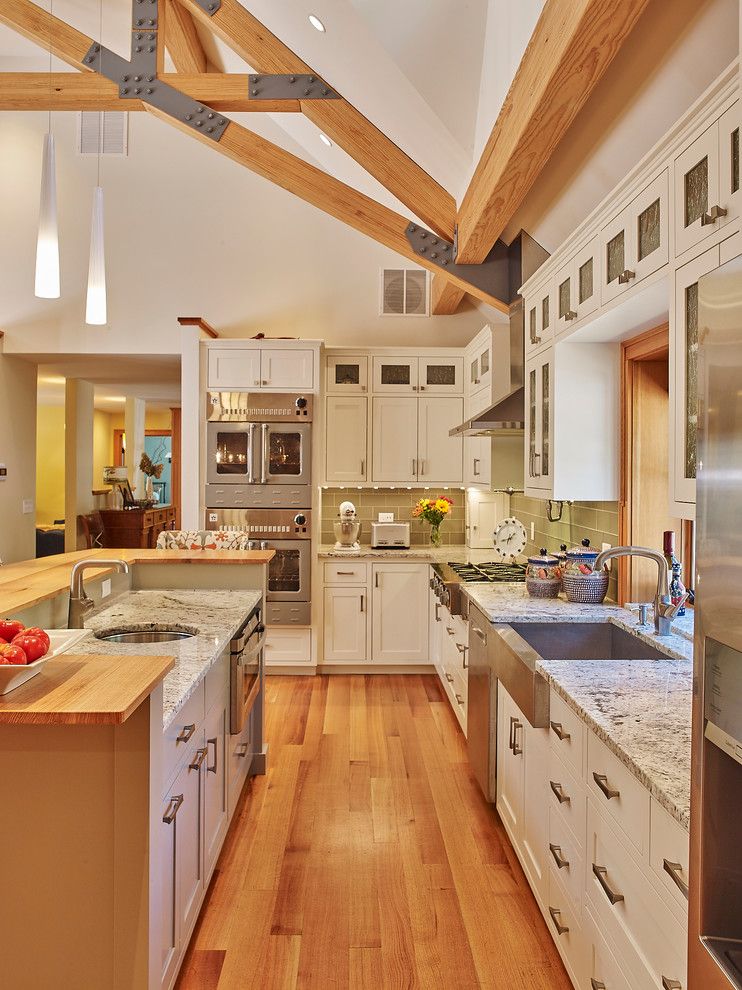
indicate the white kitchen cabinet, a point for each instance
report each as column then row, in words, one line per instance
column 249, row 368
column 684, row 378
column 437, row 375
column 399, row 613
column 540, row 312
column 168, row 848
column 538, row 420
column 395, row 375
column 636, row 241
column 477, row 460
column 347, row 373
column 288, row 646
column 440, row 457
column 234, row 368
column 216, row 812
column 707, row 183
column 576, row 293
column 394, row 428
column 478, row 365
column 511, row 728
column 286, row 368
column 435, row 627
column 441, row 375
column 346, row 455
column 346, row 624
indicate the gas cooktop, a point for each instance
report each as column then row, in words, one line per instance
column 494, row 571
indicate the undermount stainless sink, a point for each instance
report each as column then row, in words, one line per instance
column 144, row 635
column 585, row 641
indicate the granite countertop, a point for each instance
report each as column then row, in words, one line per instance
column 457, row 554
column 216, row 615
column 641, row 709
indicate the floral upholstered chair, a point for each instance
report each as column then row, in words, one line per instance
column 202, row 539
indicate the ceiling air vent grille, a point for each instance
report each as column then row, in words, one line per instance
column 404, row 292
column 115, row 125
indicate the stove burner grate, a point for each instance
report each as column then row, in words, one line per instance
column 495, row 571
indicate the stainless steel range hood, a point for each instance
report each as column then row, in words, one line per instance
column 507, row 413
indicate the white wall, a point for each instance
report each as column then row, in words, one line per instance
column 17, row 447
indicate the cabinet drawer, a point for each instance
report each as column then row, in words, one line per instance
column 565, row 928
column 217, row 683
column 603, row 969
column 618, row 793
column 180, row 735
column 342, row 572
column 566, row 856
column 567, row 796
column 668, row 857
column 627, row 906
column 288, row 645
column 566, row 733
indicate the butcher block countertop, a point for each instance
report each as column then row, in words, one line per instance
column 29, row 582
column 98, row 689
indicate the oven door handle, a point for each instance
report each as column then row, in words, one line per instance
column 252, row 650
column 251, row 454
column 263, row 453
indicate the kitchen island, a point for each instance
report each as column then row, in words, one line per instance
column 105, row 750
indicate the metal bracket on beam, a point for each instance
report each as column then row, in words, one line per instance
column 144, row 15
column 209, row 7
column 490, row 276
column 290, row 86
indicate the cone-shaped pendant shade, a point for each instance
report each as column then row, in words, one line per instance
column 95, row 310
column 47, row 244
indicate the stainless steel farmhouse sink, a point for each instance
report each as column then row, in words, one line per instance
column 144, row 635
column 519, row 646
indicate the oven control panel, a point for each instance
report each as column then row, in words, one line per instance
column 262, row 524
column 258, row 407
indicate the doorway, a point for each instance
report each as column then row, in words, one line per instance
column 645, row 502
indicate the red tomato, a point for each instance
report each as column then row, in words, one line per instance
column 13, row 654
column 10, row 628
column 37, row 631
column 33, row 646
column 4, row 662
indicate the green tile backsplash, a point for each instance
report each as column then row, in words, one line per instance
column 369, row 502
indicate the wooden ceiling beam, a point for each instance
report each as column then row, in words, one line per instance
column 200, row 322
column 321, row 190
column 572, row 45
column 181, row 38
column 89, row 91
column 338, row 119
column 445, row 296
column 46, row 31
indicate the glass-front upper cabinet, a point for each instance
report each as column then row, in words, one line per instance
column 635, row 243
column 539, row 453
column 445, row 375
column 707, row 182
column 435, row 375
column 540, row 316
column 347, row 373
column 684, row 338
column 395, row 375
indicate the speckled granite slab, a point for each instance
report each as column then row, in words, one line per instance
column 641, row 709
column 216, row 615
column 457, row 554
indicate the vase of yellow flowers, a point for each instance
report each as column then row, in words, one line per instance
column 433, row 511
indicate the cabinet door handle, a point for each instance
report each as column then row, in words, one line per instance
column 601, row 872
column 362, row 603
column 450, row 631
column 244, row 747
column 463, row 650
column 186, row 732
column 510, row 738
column 363, row 467
column 596, row 984
column 556, row 915
column 215, row 767
column 459, row 699
column 676, row 875
column 602, row 781
column 200, row 757
column 346, row 573
column 422, row 388
column 172, row 809
column 558, row 730
column 668, row 984
column 626, row 276
column 482, row 636
column 477, row 461
column 570, row 315
column 517, row 750
column 437, row 611
column 449, row 677
column 376, row 579
column 556, row 852
column 714, row 214
column 536, row 474
column 559, row 792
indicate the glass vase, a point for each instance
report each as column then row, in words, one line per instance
column 435, row 534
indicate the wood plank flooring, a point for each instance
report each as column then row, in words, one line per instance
column 367, row 856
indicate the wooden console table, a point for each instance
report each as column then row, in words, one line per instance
column 137, row 528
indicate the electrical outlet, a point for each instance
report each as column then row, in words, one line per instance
column 3, row 473
column 533, row 531
column 105, row 588
column 27, row 506
column 386, row 517
column 605, row 546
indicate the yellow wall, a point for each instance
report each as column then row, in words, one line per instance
column 102, row 446
column 49, row 464
column 154, row 419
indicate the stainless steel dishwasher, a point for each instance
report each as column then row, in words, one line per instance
column 482, row 705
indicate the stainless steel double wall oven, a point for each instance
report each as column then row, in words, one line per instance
column 258, row 480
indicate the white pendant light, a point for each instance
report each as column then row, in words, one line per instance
column 95, row 309
column 47, row 243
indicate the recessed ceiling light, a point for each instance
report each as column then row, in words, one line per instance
column 316, row 23
column 325, row 140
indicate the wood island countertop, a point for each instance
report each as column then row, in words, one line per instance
column 91, row 689
column 30, row 582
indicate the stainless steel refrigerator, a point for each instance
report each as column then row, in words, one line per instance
column 715, row 899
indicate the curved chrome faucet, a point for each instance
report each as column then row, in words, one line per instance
column 80, row 604
column 664, row 609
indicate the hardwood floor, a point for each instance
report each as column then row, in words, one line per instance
column 367, row 856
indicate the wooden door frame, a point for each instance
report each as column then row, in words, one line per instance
column 651, row 345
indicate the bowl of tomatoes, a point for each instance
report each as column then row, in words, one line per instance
column 23, row 652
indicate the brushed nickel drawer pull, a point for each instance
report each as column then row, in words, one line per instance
column 362, row 602
column 172, row 809
column 714, row 214
column 556, row 852
column 450, row 631
column 213, row 742
column 346, row 573
column 669, row 984
column 596, row 984
column 460, row 700
column 602, row 781
column 200, row 757
column 449, row 677
column 244, row 747
column 517, row 750
column 186, row 732
column 463, row 650
column 675, row 871
column 601, row 872
column 626, row 276
column 559, row 792
column 556, row 914
column 570, row 315
column 510, row 737
column 481, row 635
column 558, row 730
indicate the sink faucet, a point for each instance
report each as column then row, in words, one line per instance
column 80, row 604
column 664, row 609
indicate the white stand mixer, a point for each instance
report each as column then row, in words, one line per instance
column 347, row 529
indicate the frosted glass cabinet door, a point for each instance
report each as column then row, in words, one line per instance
column 586, row 276
column 443, row 376
column 649, row 218
column 683, row 358
column 539, row 423
column 347, row 373
column 729, row 163
column 395, row 375
column 697, row 190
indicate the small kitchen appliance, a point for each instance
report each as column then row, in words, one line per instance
column 390, row 535
column 347, row 529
